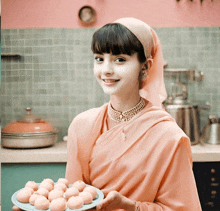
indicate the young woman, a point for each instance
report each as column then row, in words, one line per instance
column 130, row 148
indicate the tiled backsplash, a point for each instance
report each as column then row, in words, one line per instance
column 55, row 73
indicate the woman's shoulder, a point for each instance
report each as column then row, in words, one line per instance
column 163, row 121
column 87, row 119
column 170, row 134
column 89, row 115
column 170, row 127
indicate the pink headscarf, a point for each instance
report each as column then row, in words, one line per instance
column 153, row 88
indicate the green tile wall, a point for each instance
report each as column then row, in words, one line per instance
column 55, row 74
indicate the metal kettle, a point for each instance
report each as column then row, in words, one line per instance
column 211, row 131
column 186, row 114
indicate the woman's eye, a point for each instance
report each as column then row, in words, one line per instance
column 120, row 60
column 98, row 59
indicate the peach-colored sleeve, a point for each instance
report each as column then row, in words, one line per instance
column 82, row 134
column 177, row 190
column 73, row 167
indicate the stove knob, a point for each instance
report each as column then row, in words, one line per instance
column 213, row 179
column 213, row 192
column 213, row 171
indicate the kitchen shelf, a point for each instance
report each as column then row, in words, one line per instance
column 10, row 57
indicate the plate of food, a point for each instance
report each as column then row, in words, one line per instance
column 60, row 195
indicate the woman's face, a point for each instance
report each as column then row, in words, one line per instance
column 117, row 74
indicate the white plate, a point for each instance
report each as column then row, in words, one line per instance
column 29, row 207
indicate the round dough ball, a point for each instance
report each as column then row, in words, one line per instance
column 30, row 189
column 86, row 196
column 49, row 181
column 60, row 186
column 71, row 192
column 24, row 195
column 46, row 185
column 43, row 192
column 58, row 204
column 80, row 185
column 75, row 202
column 32, row 185
column 91, row 190
column 64, row 181
column 33, row 198
column 54, row 194
column 41, row 203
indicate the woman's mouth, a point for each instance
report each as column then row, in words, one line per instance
column 110, row 82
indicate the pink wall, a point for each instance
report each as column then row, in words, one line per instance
column 63, row 13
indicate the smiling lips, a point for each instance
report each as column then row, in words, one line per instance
column 110, row 82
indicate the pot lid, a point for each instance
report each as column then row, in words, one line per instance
column 177, row 101
column 29, row 123
column 29, row 117
column 180, row 104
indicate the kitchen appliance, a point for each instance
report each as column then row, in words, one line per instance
column 207, row 176
column 211, row 131
column 185, row 112
column 29, row 132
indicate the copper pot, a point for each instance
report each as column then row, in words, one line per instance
column 29, row 132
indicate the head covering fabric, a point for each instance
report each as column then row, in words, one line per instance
column 153, row 88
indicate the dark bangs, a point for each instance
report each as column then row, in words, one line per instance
column 116, row 39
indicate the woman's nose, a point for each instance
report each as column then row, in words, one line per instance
column 107, row 68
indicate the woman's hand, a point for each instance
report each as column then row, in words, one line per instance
column 114, row 200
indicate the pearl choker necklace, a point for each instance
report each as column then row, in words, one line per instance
column 119, row 116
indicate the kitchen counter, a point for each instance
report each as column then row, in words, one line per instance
column 54, row 154
column 58, row 154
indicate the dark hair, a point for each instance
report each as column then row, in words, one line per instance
column 117, row 39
